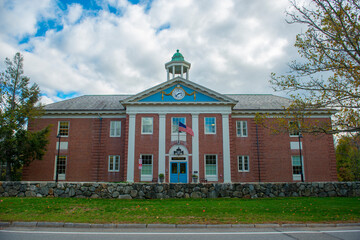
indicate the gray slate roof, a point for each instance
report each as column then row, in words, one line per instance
column 112, row 102
column 259, row 101
column 89, row 103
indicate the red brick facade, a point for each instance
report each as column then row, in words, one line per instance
column 90, row 145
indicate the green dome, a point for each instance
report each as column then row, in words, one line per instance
column 177, row 56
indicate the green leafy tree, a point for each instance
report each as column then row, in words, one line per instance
column 18, row 105
column 348, row 158
column 328, row 76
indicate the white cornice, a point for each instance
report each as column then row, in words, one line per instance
column 276, row 113
column 164, row 109
column 84, row 114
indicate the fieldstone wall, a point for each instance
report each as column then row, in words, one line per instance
column 158, row 191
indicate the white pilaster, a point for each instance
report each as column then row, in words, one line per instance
column 131, row 148
column 162, row 136
column 195, row 143
column 226, row 148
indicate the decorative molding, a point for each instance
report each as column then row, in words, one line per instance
column 177, row 87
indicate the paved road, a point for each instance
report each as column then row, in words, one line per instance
column 347, row 233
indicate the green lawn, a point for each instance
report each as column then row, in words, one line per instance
column 182, row 211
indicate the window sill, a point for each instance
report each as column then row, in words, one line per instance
column 146, row 178
column 211, row 178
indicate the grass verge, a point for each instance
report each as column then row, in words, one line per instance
column 182, row 211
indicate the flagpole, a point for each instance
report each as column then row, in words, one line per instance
column 179, row 133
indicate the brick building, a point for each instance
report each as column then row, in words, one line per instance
column 105, row 137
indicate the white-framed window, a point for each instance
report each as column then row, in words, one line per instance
column 241, row 129
column 210, row 125
column 147, row 125
column 63, row 128
column 211, row 167
column 296, row 167
column 115, row 128
column 147, row 167
column 294, row 129
column 114, row 163
column 175, row 124
column 60, row 163
column 243, row 164
column 175, row 135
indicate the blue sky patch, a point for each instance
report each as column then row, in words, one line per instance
column 66, row 95
column 163, row 27
column 86, row 4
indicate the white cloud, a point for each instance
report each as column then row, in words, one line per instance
column 233, row 45
column 75, row 11
column 19, row 18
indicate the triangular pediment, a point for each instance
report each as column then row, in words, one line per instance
column 179, row 90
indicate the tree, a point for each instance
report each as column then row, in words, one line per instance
column 329, row 76
column 348, row 158
column 18, row 105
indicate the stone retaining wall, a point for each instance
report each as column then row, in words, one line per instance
column 154, row 190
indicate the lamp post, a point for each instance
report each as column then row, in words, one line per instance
column 57, row 160
column 301, row 165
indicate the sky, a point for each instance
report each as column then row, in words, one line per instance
column 92, row 47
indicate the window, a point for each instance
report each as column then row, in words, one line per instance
column 63, row 129
column 296, row 167
column 243, row 163
column 241, row 129
column 61, row 167
column 115, row 128
column 175, row 124
column 294, row 129
column 114, row 163
column 210, row 125
column 211, row 167
column 146, row 165
column 146, row 125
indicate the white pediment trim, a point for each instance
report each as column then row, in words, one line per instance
column 133, row 100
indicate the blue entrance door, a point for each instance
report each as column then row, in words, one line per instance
column 178, row 172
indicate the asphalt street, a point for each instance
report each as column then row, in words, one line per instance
column 346, row 233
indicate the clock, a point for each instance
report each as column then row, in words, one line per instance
column 178, row 93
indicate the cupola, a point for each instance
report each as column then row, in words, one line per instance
column 177, row 67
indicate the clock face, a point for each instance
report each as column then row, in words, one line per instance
column 178, row 93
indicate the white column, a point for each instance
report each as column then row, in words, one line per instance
column 131, row 148
column 226, row 148
column 187, row 74
column 162, row 136
column 195, row 143
column 173, row 72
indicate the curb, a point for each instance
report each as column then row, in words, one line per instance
column 111, row 225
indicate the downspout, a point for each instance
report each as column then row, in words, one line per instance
column 98, row 165
column 258, row 152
